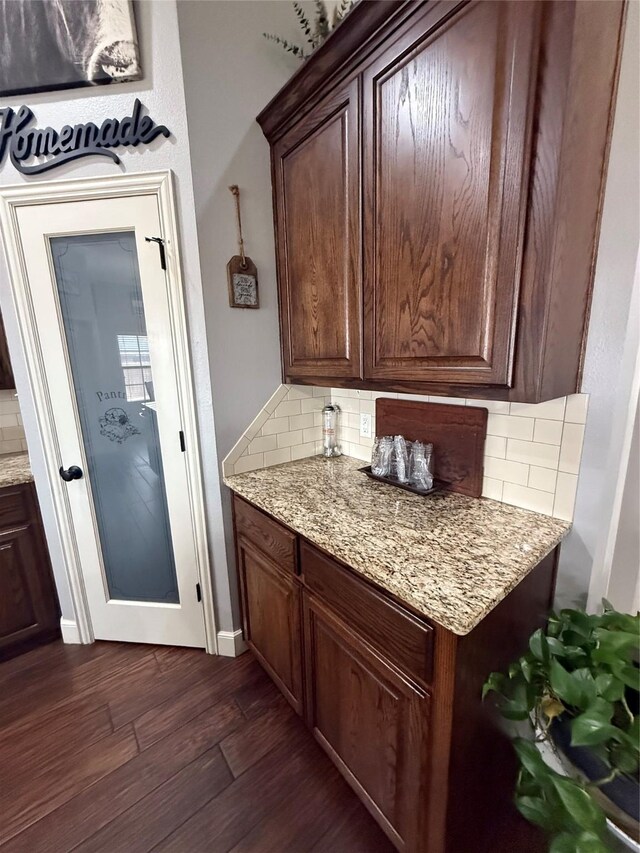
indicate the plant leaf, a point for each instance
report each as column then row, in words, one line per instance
column 582, row 808
column 593, row 725
column 609, row 687
column 539, row 646
column 495, row 682
column 564, row 685
column 529, row 757
column 536, row 810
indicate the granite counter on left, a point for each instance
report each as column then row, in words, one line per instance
column 15, row 469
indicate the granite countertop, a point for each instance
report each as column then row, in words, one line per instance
column 450, row 557
column 14, row 469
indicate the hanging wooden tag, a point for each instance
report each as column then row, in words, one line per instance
column 242, row 276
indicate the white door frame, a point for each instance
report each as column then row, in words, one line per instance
column 159, row 184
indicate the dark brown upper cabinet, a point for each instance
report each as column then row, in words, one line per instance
column 445, row 130
column 317, row 203
column 438, row 171
column 6, row 373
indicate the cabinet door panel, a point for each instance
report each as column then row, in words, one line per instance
column 318, row 238
column 369, row 718
column 271, row 609
column 27, row 602
column 446, row 134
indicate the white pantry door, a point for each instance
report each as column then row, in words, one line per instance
column 103, row 319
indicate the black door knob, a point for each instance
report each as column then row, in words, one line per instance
column 72, row 473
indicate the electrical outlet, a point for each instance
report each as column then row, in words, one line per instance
column 365, row 425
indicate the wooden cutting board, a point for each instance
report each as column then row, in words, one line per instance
column 457, row 433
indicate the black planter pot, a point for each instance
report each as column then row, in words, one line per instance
column 623, row 791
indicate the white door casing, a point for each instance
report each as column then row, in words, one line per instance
column 144, row 203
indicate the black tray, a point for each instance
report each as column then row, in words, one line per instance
column 438, row 485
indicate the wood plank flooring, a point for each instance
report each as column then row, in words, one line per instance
column 127, row 749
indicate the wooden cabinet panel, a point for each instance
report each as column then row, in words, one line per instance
column 6, row 374
column 445, row 134
column 28, row 604
column 316, row 176
column 387, row 626
column 271, row 612
column 370, row 719
column 274, row 540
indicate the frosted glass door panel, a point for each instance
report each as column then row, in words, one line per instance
column 98, row 283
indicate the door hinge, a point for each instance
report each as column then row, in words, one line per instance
column 198, row 592
column 160, row 243
column 183, row 446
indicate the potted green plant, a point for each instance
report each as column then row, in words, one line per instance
column 577, row 686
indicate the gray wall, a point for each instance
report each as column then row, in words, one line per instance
column 230, row 74
column 607, row 378
column 162, row 92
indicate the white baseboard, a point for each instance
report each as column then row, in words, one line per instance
column 231, row 643
column 70, row 633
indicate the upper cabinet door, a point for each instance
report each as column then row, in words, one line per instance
column 316, row 173
column 445, row 140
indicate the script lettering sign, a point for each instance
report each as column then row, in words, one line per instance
column 34, row 150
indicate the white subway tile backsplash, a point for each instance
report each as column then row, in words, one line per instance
column 312, row 404
column 313, row 433
column 495, row 445
column 300, row 421
column 503, row 469
column 543, row 479
column 286, row 439
column 301, row 451
column 450, row 401
column 526, row 444
column 528, row 498
column 552, row 410
column 547, row 432
column 521, row 428
column 492, row 488
column 11, row 429
column 277, row 457
column 576, row 409
column 348, row 404
column 300, row 392
column 262, row 443
column 275, row 425
column 286, row 408
column 249, row 463
column 565, row 496
column 571, row 448
column 496, row 407
column 533, row 453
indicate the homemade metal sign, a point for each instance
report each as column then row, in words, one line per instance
column 242, row 273
column 47, row 148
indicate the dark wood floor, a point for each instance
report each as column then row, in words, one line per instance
column 124, row 748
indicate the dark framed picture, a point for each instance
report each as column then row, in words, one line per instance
column 63, row 44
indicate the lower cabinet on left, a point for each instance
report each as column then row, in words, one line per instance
column 271, row 610
column 29, row 612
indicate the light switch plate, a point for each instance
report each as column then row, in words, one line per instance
column 365, row 425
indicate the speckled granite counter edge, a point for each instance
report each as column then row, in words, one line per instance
column 453, row 598
column 14, row 469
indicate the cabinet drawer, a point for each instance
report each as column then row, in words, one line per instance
column 15, row 506
column 278, row 543
column 402, row 637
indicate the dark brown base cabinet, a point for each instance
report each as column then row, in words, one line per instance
column 438, row 170
column 393, row 699
column 29, row 613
